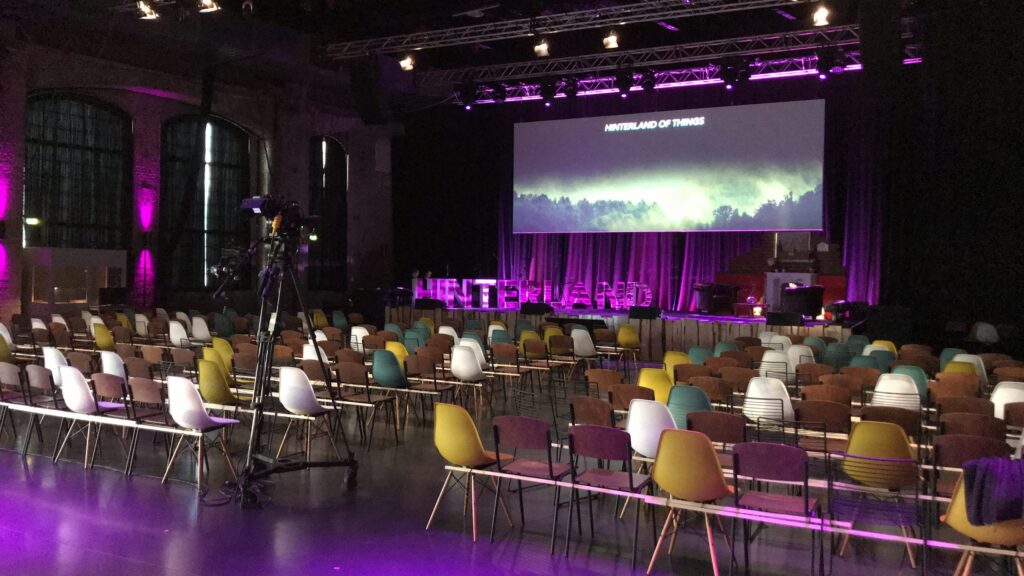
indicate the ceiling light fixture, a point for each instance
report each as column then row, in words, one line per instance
column 541, row 49
column 146, row 11
column 821, row 16
column 611, row 41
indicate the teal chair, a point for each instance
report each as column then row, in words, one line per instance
column 816, row 344
column 386, row 371
column 856, row 344
column 724, row 347
column 685, row 399
column 339, row 320
column 423, row 331
column 413, row 340
column 474, row 336
column 501, row 337
column 884, row 358
column 920, row 378
column 231, row 313
column 947, row 354
column 392, row 327
column 836, row 355
column 865, row 361
column 474, row 324
column 697, row 354
column 222, row 325
column 522, row 325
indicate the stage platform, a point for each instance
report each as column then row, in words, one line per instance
column 670, row 331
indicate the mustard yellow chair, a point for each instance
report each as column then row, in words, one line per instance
column 627, row 343
column 657, row 380
column 957, row 367
column 671, row 359
column 1008, row 533
column 887, row 344
column 104, row 338
column 527, row 336
column 430, row 324
column 213, row 384
column 226, row 351
column 687, row 468
column 498, row 323
column 123, row 320
column 5, row 352
column 551, row 331
column 458, row 441
column 400, row 352
column 218, row 359
column 319, row 319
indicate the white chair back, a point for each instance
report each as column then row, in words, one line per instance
column 449, row 331
column 162, row 313
column 111, row 363
column 177, row 334
column 87, row 316
column 320, row 336
column 75, row 391
column 897, row 391
column 6, row 335
column 465, row 365
column 979, row 366
column 185, row 320
column 296, row 393
column 201, row 330
column 478, row 352
column 309, row 353
column 767, row 398
column 646, row 421
column 54, row 360
column 775, row 364
column 93, row 322
column 38, row 324
column 186, row 406
column 582, row 344
column 984, row 332
column 141, row 324
column 766, row 336
column 799, row 354
column 358, row 332
column 1006, row 393
column 59, row 319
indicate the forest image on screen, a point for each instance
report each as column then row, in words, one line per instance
column 755, row 167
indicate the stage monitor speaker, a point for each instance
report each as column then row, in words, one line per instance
column 644, row 312
column 535, row 308
column 784, row 319
column 429, row 304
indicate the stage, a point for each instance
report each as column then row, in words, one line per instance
column 670, row 331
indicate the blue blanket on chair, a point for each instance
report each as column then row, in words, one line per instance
column 994, row 488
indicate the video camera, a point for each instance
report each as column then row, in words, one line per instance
column 285, row 216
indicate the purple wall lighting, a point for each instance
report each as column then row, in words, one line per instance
column 5, row 189
column 143, row 293
column 145, row 201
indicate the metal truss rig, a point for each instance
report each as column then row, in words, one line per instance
column 761, row 45
column 649, row 11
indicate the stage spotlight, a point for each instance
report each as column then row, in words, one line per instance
column 146, row 11
column 611, row 41
column 541, row 49
column 407, row 63
column 547, row 91
column 648, row 80
column 208, row 6
column 733, row 73
column 821, row 16
column 624, row 81
column 572, row 86
column 499, row 92
column 826, row 63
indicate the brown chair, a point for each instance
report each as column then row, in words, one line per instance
column 604, row 337
column 620, row 395
column 590, row 410
column 960, row 385
column 952, row 450
column 992, row 359
column 297, row 346
column 826, row 393
column 241, row 324
column 852, row 384
column 916, row 349
column 60, row 335
column 122, row 334
column 756, row 352
column 239, row 339
column 717, row 363
column 244, row 363
column 560, row 345
column 357, row 375
column 41, row 337
column 909, row 420
column 1009, row 374
column 445, row 341
column 355, row 318
column 283, row 355
column 601, row 380
column 247, row 348
column 741, row 357
column 956, row 404
column 84, row 361
column 716, row 389
column 826, row 417
column 369, row 328
column 796, row 338
column 722, row 428
column 125, row 351
column 329, row 346
column 157, row 330
column 314, row 370
column 292, row 334
column 744, row 342
column 374, row 342
column 972, row 425
column 348, row 355
column 184, row 358
column 155, row 354
column 867, row 376
column 808, row 374
column 111, row 388
column 149, row 401
column 737, row 378
column 388, row 336
column 136, row 367
column 929, row 364
column 683, row 372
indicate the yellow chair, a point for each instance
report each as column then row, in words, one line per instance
column 673, row 358
column 498, row 323
column 430, row 324
column 217, row 358
column 627, row 342
column 400, row 352
column 1008, row 533
column 5, row 352
column 525, row 337
column 458, row 441
column 213, row 385
column 122, row 319
column 656, row 379
column 687, row 468
column 888, row 345
column 226, row 351
column 957, row 367
column 104, row 338
column 551, row 331
column 319, row 319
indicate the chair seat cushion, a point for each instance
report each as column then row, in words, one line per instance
column 535, row 468
column 613, row 479
column 776, row 503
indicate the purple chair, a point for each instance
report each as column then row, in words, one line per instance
column 608, row 444
column 515, row 433
column 764, row 461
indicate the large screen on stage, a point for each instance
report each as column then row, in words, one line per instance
column 756, row 167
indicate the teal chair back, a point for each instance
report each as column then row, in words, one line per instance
column 231, row 313
column 816, row 344
column 501, row 337
column 222, row 325
column 473, row 324
column 856, row 343
column 884, row 358
column 413, row 340
column 724, row 347
column 339, row 320
column 865, row 361
column 386, row 371
column 947, row 355
column 474, row 336
column 919, row 376
column 422, row 330
column 392, row 327
column 697, row 354
column 685, row 399
column 523, row 325
column 836, row 355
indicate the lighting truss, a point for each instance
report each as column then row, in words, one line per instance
column 649, row 11
column 768, row 45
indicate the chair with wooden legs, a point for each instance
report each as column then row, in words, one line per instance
column 298, row 398
column 1007, row 533
column 188, row 412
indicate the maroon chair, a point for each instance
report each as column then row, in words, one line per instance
column 590, row 410
column 764, row 461
column 955, row 404
column 515, row 433
column 973, row 425
column 952, row 450
column 609, row 444
column 721, row 428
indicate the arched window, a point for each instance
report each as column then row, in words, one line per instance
column 77, row 173
column 204, row 177
column 328, row 183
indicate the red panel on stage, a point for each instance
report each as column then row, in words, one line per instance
column 835, row 286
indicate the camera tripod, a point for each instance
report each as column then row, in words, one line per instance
column 279, row 270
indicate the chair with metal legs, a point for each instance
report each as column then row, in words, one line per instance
column 187, row 411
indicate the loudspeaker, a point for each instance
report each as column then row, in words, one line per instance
column 644, row 312
column 784, row 319
column 534, row 308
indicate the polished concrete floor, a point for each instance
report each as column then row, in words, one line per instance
column 61, row 519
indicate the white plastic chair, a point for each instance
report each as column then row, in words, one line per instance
column 764, row 399
column 775, row 364
column 201, row 330
column 1006, row 393
column 583, row 344
column 141, row 324
column 162, row 314
column 177, row 334
column 766, row 336
column 465, row 366
column 449, row 331
column 87, row 316
column 979, row 366
column 113, row 364
column 79, row 399
column 6, row 335
column 185, row 321
column 358, row 332
column 54, row 360
column 309, row 353
column 60, row 320
column 983, row 332
column 38, row 324
column 319, row 336
column 297, row 396
column 799, row 354
column 897, row 391
column 490, row 331
column 646, row 421
column 187, row 410
column 478, row 352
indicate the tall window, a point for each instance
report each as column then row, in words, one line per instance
column 77, row 174
column 328, row 180
column 205, row 176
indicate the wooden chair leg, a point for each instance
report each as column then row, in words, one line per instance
column 910, row 549
column 661, row 539
column 440, row 495
column 174, row 456
column 711, row 543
